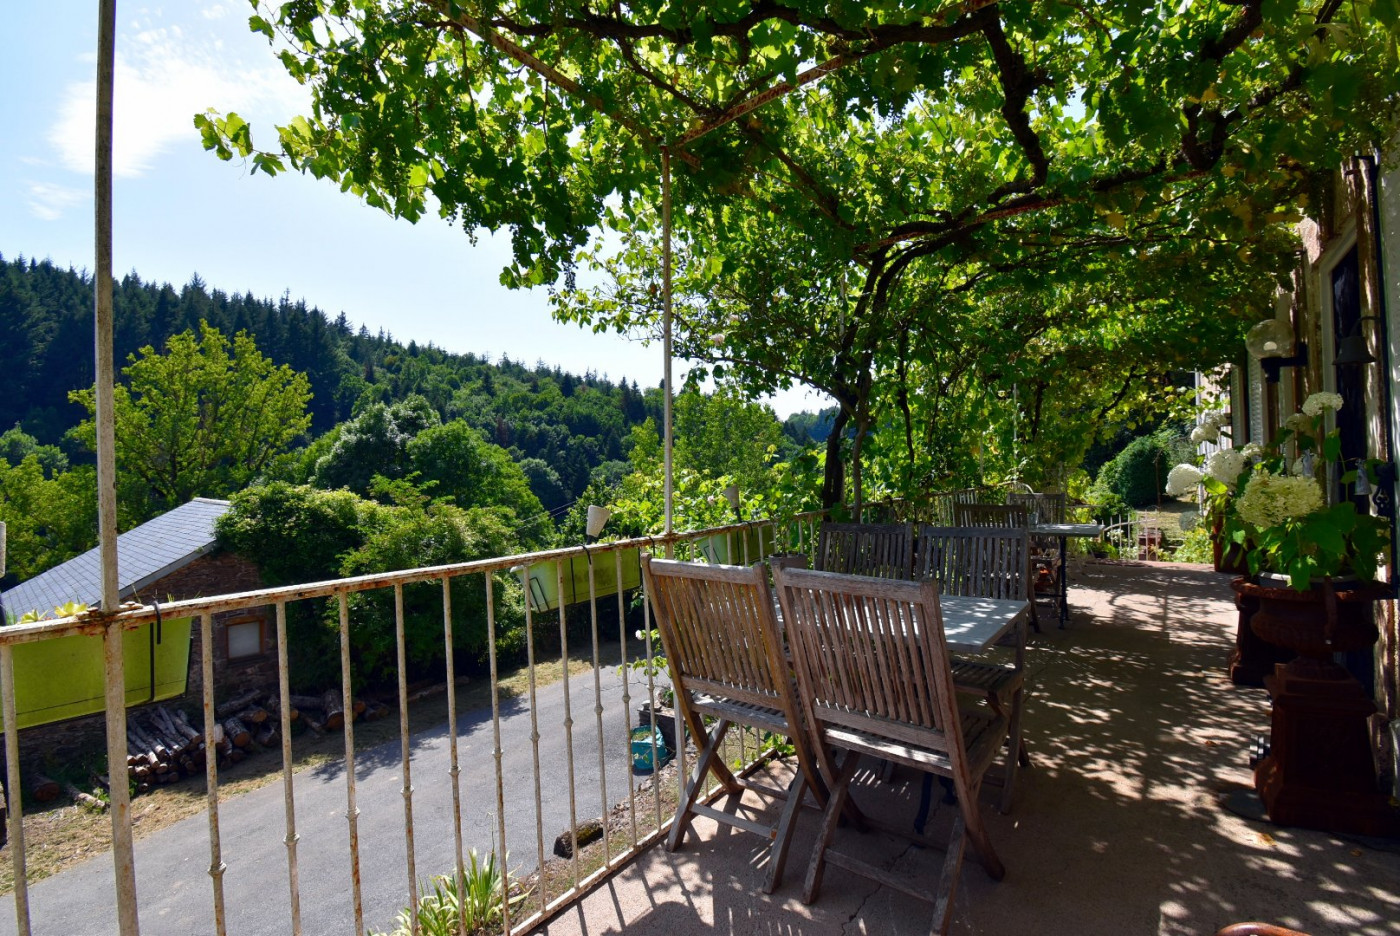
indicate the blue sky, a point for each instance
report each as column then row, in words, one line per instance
column 178, row 210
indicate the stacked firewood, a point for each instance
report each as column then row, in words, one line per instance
column 165, row 744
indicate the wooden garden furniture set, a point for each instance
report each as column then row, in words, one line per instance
column 857, row 663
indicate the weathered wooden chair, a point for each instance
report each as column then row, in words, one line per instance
column 984, row 562
column 880, row 550
column 1007, row 516
column 1045, row 550
column 874, row 678
column 725, row 652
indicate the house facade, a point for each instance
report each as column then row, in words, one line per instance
column 1343, row 309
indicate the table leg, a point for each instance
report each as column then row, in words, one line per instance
column 1064, row 582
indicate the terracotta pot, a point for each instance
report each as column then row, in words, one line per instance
column 1316, row 623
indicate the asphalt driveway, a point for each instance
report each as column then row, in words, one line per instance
column 173, row 886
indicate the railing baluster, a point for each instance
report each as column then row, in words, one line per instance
column 284, row 698
column 352, row 813
column 598, row 710
column 13, row 790
column 497, row 753
column 211, row 768
column 535, row 734
column 123, row 853
column 626, row 683
column 651, row 693
column 405, row 752
column 454, row 770
column 568, row 716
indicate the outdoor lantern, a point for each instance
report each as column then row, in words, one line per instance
column 597, row 519
column 731, row 494
column 1352, row 349
column 1271, row 343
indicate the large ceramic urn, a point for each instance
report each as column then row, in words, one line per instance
column 1319, row 773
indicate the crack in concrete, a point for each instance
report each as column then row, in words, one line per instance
column 860, row 908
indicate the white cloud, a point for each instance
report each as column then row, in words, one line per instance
column 215, row 11
column 49, row 202
column 163, row 78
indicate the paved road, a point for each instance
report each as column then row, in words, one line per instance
column 173, row 885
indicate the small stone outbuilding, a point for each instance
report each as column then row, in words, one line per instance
column 174, row 556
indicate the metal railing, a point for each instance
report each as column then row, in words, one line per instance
column 742, row 542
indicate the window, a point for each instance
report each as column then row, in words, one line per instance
column 244, row 637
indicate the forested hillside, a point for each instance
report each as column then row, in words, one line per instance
column 558, row 425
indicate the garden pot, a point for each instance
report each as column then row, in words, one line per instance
column 1252, row 657
column 665, row 722
column 1320, row 773
column 1328, row 618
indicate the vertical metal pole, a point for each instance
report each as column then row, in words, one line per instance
column 16, row 811
column 598, row 711
column 454, row 770
column 211, row 768
column 407, row 789
column 497, row 754
column 284, row 698
column 535, row 732
column 568, row 716
column 352, row 813
column 668, row 428
column 123, row 858
column 626, row 683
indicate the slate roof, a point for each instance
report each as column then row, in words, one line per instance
column 145, row 554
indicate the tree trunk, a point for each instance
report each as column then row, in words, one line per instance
column 834, row 480
column 42, row 788
column 237, row 732
column 235, row 705
column 334, row 709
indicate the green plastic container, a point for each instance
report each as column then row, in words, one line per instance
column 649, row 750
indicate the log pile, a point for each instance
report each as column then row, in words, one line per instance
column 165, row 744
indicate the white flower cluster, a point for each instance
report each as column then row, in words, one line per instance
column 1297, row 422
column 1315, row 404
column 1210, row 427
column 1225, row 466
column 1182, row 480
column 1269, row 500
column 1252, row 450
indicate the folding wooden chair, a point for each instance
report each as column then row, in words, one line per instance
column 725, row 651
column 874, row 678
column 985, row 562
column 881, row 550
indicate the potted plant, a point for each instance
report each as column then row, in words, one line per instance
column 661, row 697
column 1313, row 567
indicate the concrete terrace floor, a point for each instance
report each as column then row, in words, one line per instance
column 1135, row 732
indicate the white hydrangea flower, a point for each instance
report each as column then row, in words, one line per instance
column 1182, row 480
column 1315, row 404
column 1297, row 422
column 1225, row 466
column 1206, row 432
column 1268, row 500
column 1252, row 450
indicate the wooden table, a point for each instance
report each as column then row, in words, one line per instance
column 971, row 625
column 1062, row 532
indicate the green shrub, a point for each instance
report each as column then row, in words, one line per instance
column 1138, row 473
column 1195, row 547
column 479, row 903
